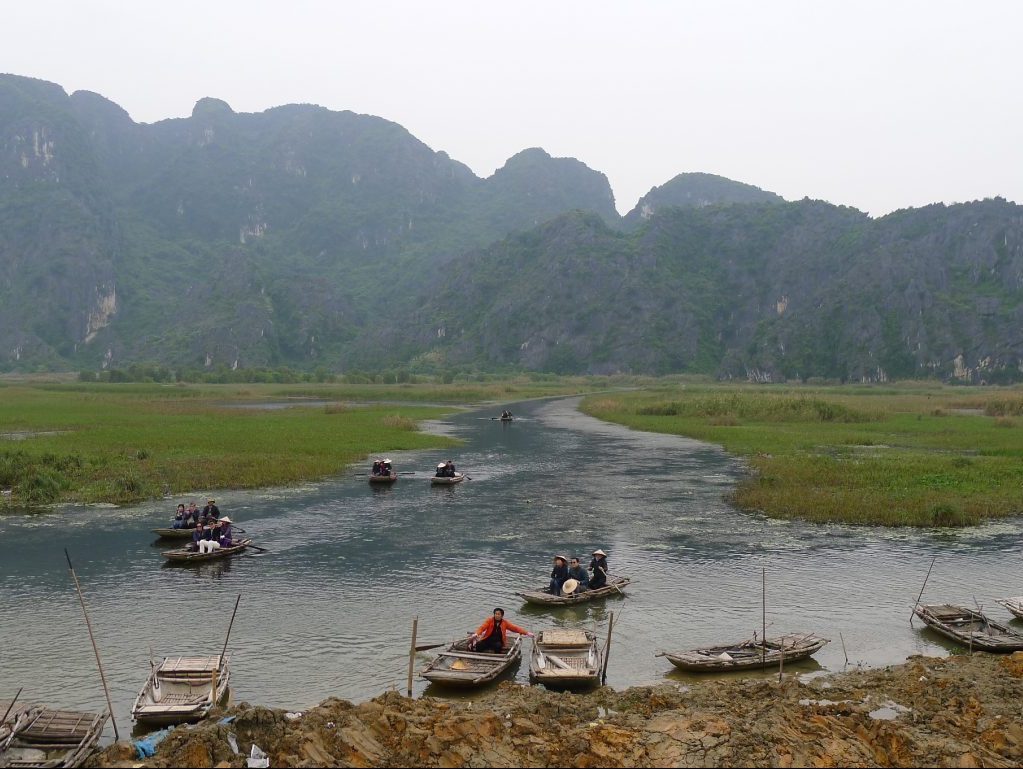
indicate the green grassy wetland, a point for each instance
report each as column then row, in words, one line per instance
column 128, row 442
column 916, row 454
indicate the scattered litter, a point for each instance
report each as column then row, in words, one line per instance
column 725, row 656
column 293, row 716
column 257, row 758
column 889, row 711
column 233, row 743
column 330, row 724
column 146, row 747
column 226, row 720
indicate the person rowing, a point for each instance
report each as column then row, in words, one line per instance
column 226, row 540
column 598, row 565
column 492, row 635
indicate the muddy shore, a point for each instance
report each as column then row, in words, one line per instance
column 957, row 711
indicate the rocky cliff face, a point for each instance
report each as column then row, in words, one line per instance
column 696, row 190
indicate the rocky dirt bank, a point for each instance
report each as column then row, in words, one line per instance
column 958, row 711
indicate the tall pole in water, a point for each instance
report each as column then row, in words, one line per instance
column 763, row 615
column 412, row 654
column 95, row 649
column 922, row 590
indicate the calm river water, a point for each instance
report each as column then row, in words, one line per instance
column 328, row 610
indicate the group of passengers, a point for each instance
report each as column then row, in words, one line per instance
column 446, row 470
column 568, row 577
column 211, row 531
column 382, row 467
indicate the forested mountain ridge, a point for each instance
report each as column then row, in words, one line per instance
column 306, row 237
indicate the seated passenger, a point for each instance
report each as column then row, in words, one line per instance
column 558, row 574
column 385, row 467
column 197, row 538
column 492, row 635
column 207, row 544
column 225, row 532
column 179, row 517
column 442, row 470
column 449, row 469
column 193, row 511
column 376, row 467
column 578, row 573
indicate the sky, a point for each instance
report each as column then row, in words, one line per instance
column 877, row 105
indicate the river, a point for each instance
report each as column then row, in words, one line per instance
column 328, row 610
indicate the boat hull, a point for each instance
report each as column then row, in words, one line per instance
column 437, row 481
column 969, row 628
column 565, row 659
column 179, row 691
column 186, row 556
column 383, row 479
column 457, row 667
column 174, row 533
column 54, row 738
column 1014, row 605
column 748, row 655
column 541, row 597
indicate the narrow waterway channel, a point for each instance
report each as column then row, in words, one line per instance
column 328, row 610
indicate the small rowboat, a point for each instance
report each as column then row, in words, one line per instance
column 185, row 555
column 541, row 597
column 1014, row 605
column 969, row 627
column 457, row 666
column 565, row 659
column 748, row 655
column 438, row 480
column 180, row 690
column 174, row 533
column 383, row 478
column 51, row 738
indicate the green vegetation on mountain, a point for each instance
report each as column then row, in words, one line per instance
column 319, row 240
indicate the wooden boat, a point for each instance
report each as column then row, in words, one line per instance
column 505, row 419
column 564, row 659
column 457, row 666
column 1014, row 605
column 51, row 738
column 969, row 627
column 383, row 478
column 174, row 533
column 445, row 481
column 18, row 713
column 541, row 597
column 184, row 555
column 180, row 690
column 748, row 655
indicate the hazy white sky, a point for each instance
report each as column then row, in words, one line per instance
column 878, row 105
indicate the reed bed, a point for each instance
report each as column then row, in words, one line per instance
column 125, row 444
column 918, row 455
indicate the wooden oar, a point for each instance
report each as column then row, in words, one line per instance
column 427, row 647
column 608, row 576
column 11, row 706
column 260, row 549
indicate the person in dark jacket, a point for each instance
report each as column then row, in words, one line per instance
column 197, row 537
column 558, row 574
column 194, row 513
column 179, row 517
column 599, row 568
column 578, row 573
column 210, row 511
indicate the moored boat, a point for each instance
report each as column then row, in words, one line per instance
column 439, row 480
column 181, row 690
column 457, row 666
column 51, row 738
column 541, row 597
column 169, row 533
column 383, row 478
column 1014, row 605
column 968, row 627
column 747, row 655
column 184, row 555
column 565, row 659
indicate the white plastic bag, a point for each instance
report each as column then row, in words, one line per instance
column 257, row 759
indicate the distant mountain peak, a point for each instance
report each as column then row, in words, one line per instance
column 696, row 190
column 210, row 106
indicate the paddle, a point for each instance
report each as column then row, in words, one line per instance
column 610, row 582
column 427, row 647
column 260, row 549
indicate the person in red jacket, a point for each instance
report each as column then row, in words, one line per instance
column 492, row 634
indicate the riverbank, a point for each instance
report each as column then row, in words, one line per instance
column 955, row 711
column 912, row 455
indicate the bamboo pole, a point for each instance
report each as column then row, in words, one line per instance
column 223, row 651
column 843, row 648
column 92, row 638
column 11, row 706
column 412, row 654
column 607, row 648
column 922, row 590
column 763, row 616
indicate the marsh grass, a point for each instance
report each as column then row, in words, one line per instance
column 125, row 444
column 888, row 456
